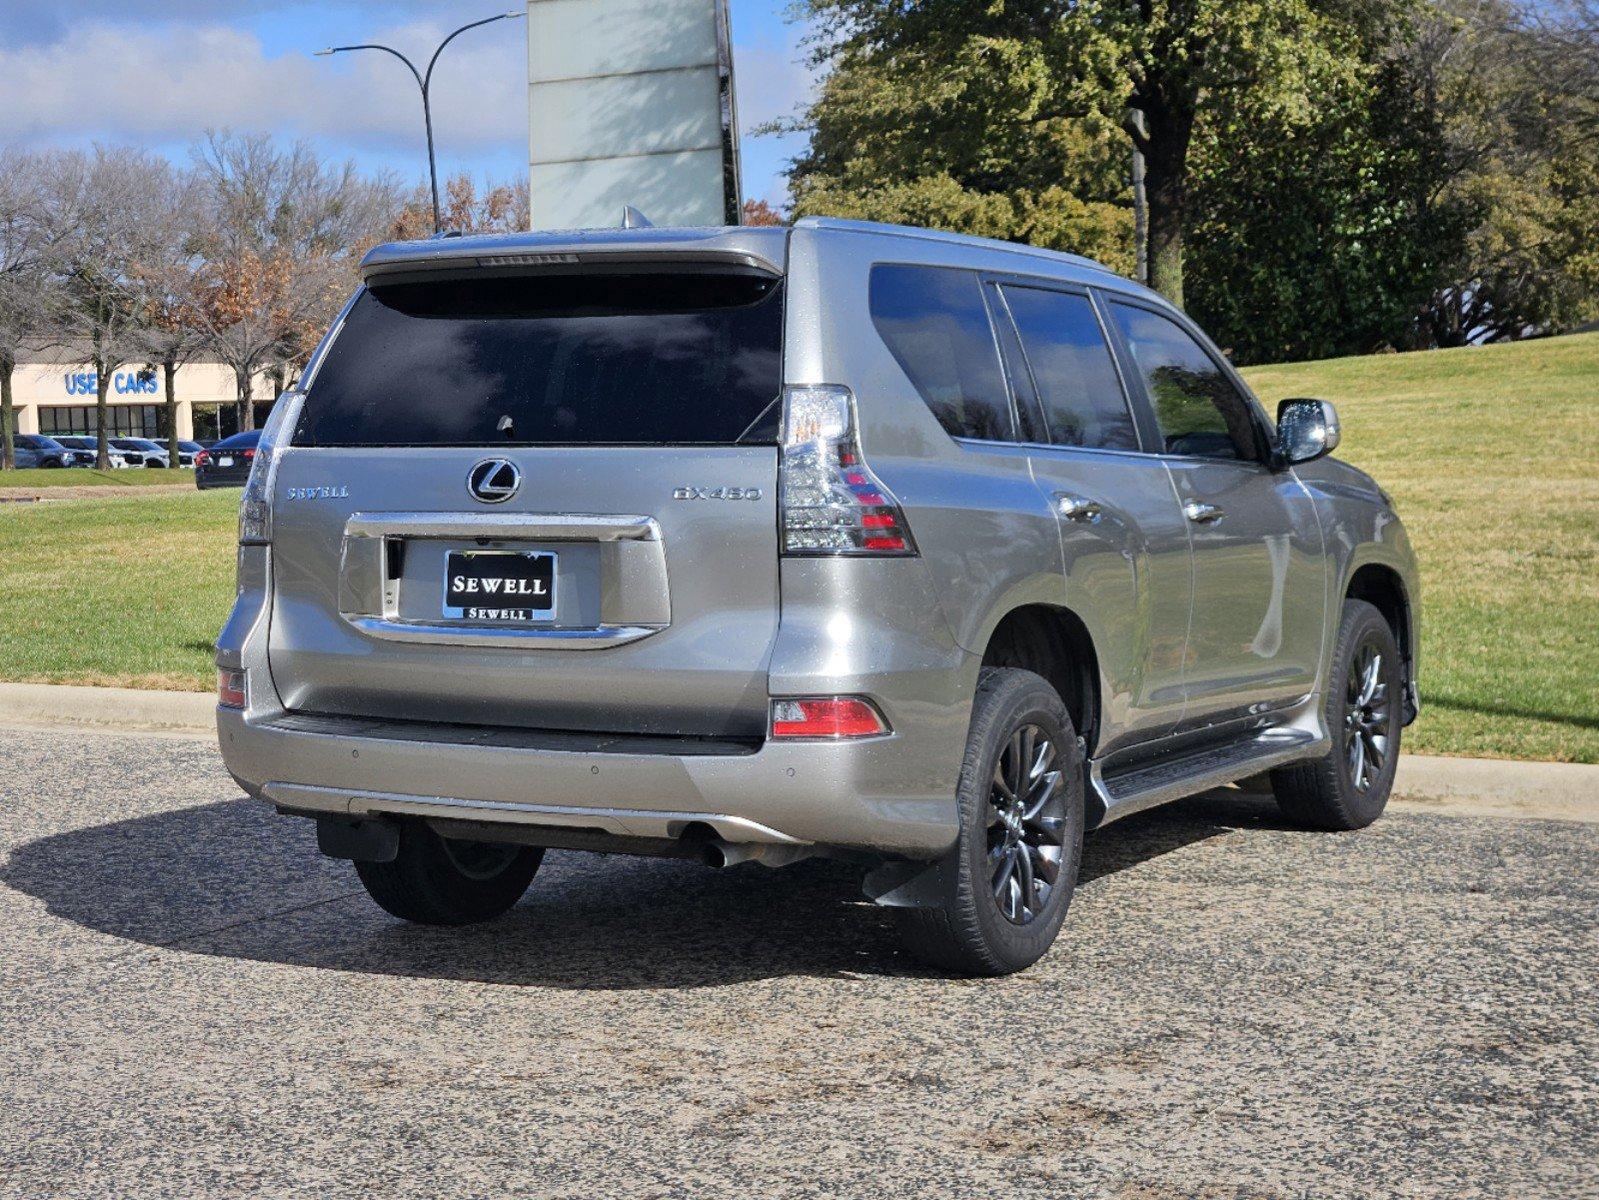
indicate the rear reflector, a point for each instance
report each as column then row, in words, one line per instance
column 232, row 689
column 826, row 717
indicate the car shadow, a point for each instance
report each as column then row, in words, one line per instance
column 233, row 879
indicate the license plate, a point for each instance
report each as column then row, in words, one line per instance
column 225, row 461
column 499, row 585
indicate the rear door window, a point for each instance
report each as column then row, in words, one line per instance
column 935, row 324
column 686, row 358
column 1072, row 369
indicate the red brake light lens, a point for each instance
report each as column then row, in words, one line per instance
column 202, row 458
column 832, row 717
column 232, row 689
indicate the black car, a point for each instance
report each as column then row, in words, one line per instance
column 226, row 464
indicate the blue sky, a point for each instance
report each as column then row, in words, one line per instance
column 158, row 73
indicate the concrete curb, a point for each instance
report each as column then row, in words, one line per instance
column 1482, row 786
column 107, row 708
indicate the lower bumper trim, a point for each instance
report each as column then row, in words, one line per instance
column 619, row 821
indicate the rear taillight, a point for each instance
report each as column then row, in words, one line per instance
column 233, row 689
column 832, row 717
column 202, row 458
column 255, row 506
column 831, row 501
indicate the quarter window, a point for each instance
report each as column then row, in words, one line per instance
column 1198, row 409
column 1072, row 369
column 935, row 323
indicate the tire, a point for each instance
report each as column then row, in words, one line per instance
column 971, row 930
column 1364, row 708
column 433, row 881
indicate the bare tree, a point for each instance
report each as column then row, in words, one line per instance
column 278, row 242
column 171, row 286
column 98, row 281
column 33, row 234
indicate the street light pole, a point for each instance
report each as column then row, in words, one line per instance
column 424, row 82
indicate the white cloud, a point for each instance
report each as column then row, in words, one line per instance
column 171, row 82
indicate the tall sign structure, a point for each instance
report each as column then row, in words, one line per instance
column 630, row 102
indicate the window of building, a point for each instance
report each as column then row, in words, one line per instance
column 1072, row 369
column 935, row 323
column 1199, row 410
column 122, row 420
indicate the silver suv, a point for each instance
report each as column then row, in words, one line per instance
column 842, row 539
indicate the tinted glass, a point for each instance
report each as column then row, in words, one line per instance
column 1196, row 405
column 935, row 323
column 239, row 440
column 645, row 359
column 1072, row 369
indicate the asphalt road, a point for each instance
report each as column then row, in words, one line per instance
column 193, row 1002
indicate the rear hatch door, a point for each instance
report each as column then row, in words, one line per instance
column 537, row 500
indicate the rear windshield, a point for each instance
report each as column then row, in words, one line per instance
column 593, row 359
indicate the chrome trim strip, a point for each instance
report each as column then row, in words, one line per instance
column 520, row 638
column 549, row 527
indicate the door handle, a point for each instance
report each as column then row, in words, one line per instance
column 1202, row 514
column 1077, row 508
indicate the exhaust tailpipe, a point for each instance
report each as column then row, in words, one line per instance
column 718, row 853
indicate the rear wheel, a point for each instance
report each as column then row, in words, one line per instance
column 1348, row 787
column 1012, row 873
column 445, row 881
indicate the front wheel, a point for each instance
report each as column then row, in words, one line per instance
column 446, row 881
column 1348, row 787
column 1010, row 877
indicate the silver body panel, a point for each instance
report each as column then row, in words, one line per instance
column 678, row 620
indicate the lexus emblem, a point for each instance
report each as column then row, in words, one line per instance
column 494, row 480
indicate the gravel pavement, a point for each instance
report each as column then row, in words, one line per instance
column 194, row 1003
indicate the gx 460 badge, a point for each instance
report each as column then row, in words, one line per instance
column 716, row 493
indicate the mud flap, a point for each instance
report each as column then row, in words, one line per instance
column 900, row 883
column 371, row 840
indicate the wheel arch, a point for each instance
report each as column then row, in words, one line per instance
column 1383, row 587
column 1052, row 641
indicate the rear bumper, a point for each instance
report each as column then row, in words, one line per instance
column 868, row 794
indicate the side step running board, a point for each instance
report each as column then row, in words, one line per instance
column 1145, row 785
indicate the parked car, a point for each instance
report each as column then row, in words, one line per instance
column 915, row 549
column 142, row 452
column 90, row 444
column 227, row 463
column 186, row 452
column 36, row 450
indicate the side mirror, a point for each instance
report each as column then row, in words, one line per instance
column 1306, row 429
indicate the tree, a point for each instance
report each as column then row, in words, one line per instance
column 759, row 212
column 1517, row 107
column 96, row 283
column 502, row 208
column 962, row 115
column 27, row 241
column 1323, row 234
column 170, row 283
column 279, row 239
column 1011, row 118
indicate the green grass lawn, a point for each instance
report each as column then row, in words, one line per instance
column 1492, row 457
column 1491, row 454
column 86, row 476
column 125, row 591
